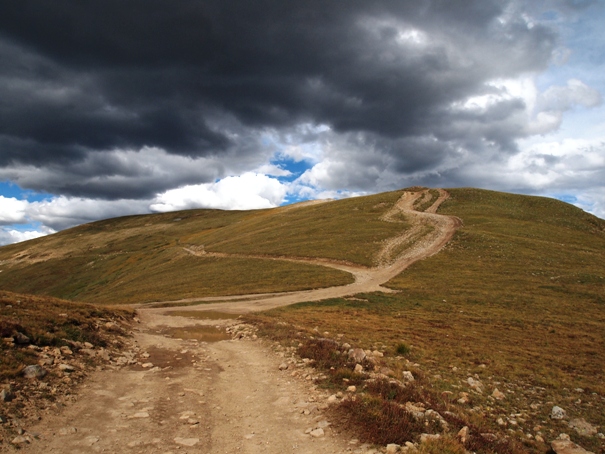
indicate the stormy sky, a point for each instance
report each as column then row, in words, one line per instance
column 111, row 107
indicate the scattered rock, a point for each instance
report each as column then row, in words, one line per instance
column 21, row 339
column 428, row 437
column 283, row 366
column 67, row 431
column 19, row 440
column 358, row 368
column 567, row 447
column 66, row 368
column 317, row 433
column 497, row 394
column 463, row 434
column 557, row 413
column 186, row 441
column 34, row 371
column 351, row 389
column 357, row 354
column 475, row 384
column 463, row 398
column 393, row 448
column 377, row 354
column 408, row 376
column 6, row 395
column 583, row 428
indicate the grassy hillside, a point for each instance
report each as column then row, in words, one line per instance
column 516, row 300
column 138, row 259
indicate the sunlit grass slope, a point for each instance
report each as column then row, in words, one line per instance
column 139, row 259
column 517, row 297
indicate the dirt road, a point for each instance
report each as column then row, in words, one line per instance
column 171, row 392
column 428, row 234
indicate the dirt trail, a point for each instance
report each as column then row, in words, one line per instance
column 429, row 232
column 179, row 394
column 193, row 397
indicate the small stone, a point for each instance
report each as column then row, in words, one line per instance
column 500, row 422
column 475, row 384
column 358, row 369
column 583, row 428
column 601, row 436
column 497, row 394
column 567, row 447
column 377, row 354
column 429, row 437
column 147, row 365
column 283, row 366
column 351, row 389
column 66, row 368
column 539, row 439
column 463, row 434
column 557, row 413
column 140, row 414
column 19, row 440
column 34, row 371
column 186, row 441
column 463, row 398
column 67, row 431
column 332, row 398
column 6, row 395
column 66, row 351
column 357, row 354
column 317, row 433
column 21, row 339
column 392, row 448
column 408, row 376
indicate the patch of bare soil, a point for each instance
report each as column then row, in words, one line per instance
column 185, row 395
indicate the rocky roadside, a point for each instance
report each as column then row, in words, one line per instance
column 476, row 410
column 52, row 379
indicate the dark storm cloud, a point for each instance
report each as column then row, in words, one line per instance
column 90, row 77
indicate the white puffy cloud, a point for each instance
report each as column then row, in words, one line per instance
column 62, row 212
column 564, row 98
column 9, row 236
column 244, row 192
column 12, row 210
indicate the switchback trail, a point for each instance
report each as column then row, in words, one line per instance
column 428, row 233
column 170, row 391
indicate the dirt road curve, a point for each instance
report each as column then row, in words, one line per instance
column 181, row 395
column 429, row 233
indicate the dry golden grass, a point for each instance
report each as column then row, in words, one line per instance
column 139, row 259
column 517, row 298
column 49, row 322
